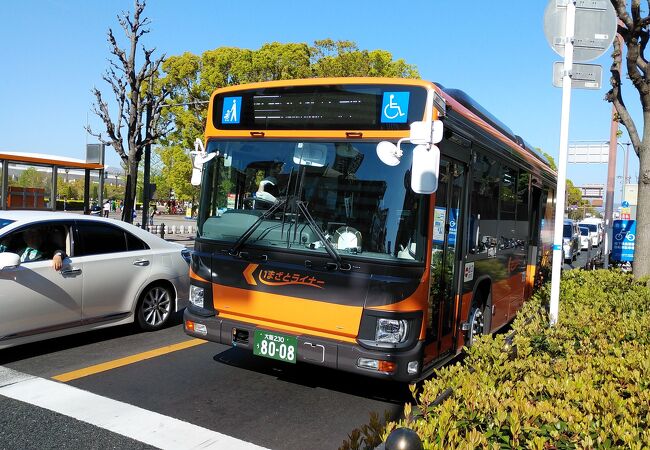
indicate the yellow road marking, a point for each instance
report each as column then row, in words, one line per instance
column 97, row 368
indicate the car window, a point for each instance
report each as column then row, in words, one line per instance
column 133, row 243
column 567, row 231
column 37, row 242
column 99, row 238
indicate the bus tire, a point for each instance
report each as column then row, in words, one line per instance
column 477, row 317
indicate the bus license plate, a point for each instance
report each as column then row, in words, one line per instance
column 275, row 346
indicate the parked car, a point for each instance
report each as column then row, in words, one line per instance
column 112, row 273
column 595, row 230
column 585, row 238
column 570, row 240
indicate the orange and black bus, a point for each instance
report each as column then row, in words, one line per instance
column 370, row 225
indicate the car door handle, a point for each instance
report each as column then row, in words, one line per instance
column 141, row 262
column 71, row 272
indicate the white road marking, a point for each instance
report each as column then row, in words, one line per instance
column 112, row 415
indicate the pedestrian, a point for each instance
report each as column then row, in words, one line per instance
column 107, row 208
column 152, row 213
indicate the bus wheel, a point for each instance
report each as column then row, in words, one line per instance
column 477, row 319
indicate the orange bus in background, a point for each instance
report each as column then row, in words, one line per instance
column 370, row 225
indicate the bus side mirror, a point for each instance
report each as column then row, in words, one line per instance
column 199, row 158
column 425, row 169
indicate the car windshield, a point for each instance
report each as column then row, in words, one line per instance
column 584, row 231
column 363, row 207
column 592, row 227
column 567, row 231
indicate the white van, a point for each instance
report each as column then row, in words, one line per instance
column 596, row 231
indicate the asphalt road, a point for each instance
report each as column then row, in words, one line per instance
column 271, row 404
column 583, row 258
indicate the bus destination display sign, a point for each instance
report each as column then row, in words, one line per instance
column 342, row 107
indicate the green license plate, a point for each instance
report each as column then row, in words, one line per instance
column 275, row 346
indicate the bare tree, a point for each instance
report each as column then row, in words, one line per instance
column 634, row 36
column 134, row 95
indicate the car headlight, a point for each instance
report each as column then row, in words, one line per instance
column 391, row 331
column 196, row 296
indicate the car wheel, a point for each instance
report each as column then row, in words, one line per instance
column 155, row 307
column 477, row 319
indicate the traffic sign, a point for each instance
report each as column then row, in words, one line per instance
column 595, row 27
column 583, row 76
column 624, row 237
column 625, row 204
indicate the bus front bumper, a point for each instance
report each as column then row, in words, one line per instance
column 310, row 349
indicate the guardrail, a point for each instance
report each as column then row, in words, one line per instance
column 163, row 229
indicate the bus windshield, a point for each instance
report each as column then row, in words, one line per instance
column 276, row 193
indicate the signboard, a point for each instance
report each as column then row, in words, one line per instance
column 624, row 236
column 439, row 216
column 589, row 153
column 595, row 27
column 453, row 226
column 583, row 76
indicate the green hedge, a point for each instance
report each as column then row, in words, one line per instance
column 581, row 384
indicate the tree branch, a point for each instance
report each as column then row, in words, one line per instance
column 615, row 96
column 621, row 12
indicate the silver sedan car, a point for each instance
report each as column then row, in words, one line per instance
column 111, row 273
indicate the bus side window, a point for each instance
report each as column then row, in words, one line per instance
column 484, row 207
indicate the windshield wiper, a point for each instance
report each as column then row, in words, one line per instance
column 326, row 243
column 232, row 251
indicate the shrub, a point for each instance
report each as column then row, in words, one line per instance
column 582, row 384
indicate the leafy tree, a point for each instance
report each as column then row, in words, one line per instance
column 550, row 159
column 32, row 178
column 634, row 36
column 135, row 92
column 190, row 80
column 176, row 173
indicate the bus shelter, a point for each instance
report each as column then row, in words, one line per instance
column 31, row 181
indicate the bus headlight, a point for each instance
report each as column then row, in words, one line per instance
column 196, row 296
column 391, row 331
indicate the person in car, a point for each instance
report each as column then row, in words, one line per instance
column 36, row 249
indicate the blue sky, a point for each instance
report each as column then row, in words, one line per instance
column 54, row 52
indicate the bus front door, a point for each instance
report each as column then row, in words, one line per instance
column 445, row 255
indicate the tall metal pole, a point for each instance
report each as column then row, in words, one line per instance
column 625, row 161
column 611, row 171
column 147, row 162
column 562, row 163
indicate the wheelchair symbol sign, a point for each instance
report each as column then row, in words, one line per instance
column 395, row 107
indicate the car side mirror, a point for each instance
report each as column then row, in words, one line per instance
column 9, row 260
